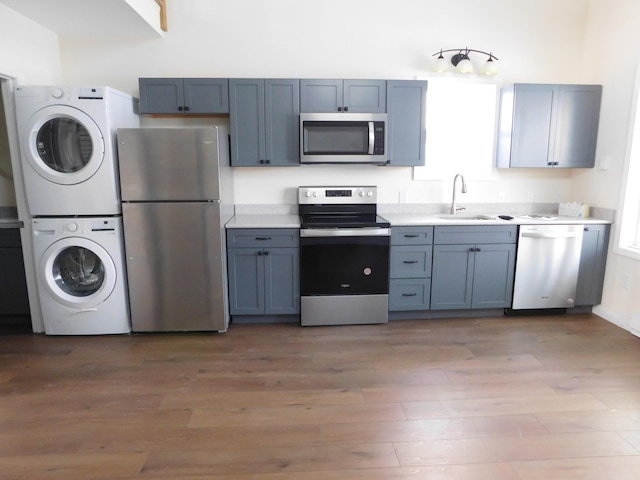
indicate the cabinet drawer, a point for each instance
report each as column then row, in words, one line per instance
column 411, row 235
column 456, row 235
column 263, row 237
column 409, row 294
column 410, row 261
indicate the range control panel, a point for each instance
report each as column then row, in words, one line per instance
column 337, row 195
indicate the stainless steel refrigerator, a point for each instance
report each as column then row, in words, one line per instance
column 177, row 194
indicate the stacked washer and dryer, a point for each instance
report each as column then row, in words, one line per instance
column 69, row 159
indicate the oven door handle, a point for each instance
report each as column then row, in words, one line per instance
column 345, row 232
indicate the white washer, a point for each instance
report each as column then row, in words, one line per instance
column 69, row 150
column 81, row 275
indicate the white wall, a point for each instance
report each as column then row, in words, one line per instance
column 613, row 47
column 536, row 41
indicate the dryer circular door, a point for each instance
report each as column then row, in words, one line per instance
column 63, row 145
column 78, row 272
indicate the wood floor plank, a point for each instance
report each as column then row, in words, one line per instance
column 597, row 468
column 502, row 406
column 520, row 448
column 590, row 421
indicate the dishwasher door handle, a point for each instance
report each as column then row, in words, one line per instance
column 549, row 235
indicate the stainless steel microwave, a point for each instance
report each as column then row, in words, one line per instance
column 343, row 138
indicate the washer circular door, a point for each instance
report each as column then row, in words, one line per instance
column 64, row 145
column 78, row 272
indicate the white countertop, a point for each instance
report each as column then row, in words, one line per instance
column 417, row 219
column 268, row 220
column 265, row 220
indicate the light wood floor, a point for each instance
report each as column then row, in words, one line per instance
column 526, row 398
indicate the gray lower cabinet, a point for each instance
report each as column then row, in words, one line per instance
column 263, row 267
column 264, row 118
column 355, row 96
column 14, row 298
column 473, row 267
column 593, row 258
column 548, row 126
column 410, row 268
column 406, row 122
column 184, row 96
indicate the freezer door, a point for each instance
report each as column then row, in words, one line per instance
column 164, row 164
column 176, row 267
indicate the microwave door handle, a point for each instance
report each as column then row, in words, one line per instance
column 372, row 138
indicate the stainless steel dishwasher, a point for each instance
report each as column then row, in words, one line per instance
column 547, row 266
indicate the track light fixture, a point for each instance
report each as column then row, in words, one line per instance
column 462, row 62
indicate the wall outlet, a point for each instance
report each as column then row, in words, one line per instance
column 500, row 196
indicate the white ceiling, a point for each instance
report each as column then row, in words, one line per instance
column 92, row 17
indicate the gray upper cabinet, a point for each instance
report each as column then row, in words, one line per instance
column 406, row 122
column 548, row 126
column 198, row 96
column 356, row 96
column 264, row 117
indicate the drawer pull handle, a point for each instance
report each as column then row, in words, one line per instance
column 263, row 238
column 410, row 261
column 409, row 294
column 413, row 235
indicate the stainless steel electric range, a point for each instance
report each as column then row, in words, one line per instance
column 344, row 256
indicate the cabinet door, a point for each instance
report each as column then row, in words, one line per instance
column 282, row 126
column 246, row 281
column 533, row 125
column 593, row 259
column 493, row 272
column 577, row 125
column 406, row 122
column 206, row 95
column 247, row 122
column 282, row 281
column 14, row 299
column 161, row 95
column 365, row 96
column 317, row 96
column 452, row 277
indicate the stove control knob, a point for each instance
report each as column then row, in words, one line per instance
column 315, row 194
column 369, row 193
column 307, row 194
column 362, row 193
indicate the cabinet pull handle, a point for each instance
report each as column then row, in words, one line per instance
column 346, row 109
column 339, row 109
column 478, row 249
column 180, row 109
column 263, row 238
column 260, row 253
column 186, row 109
column 409, row 294
column 410, row 261
column 411, row 235
column 266, row 252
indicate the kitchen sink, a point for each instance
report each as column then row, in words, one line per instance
column 467, row 217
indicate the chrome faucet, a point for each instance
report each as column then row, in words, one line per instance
column 454, row 207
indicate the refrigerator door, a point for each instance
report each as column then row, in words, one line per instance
column 176, row 267
column 164, row 164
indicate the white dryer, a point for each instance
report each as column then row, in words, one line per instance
column 81, row 275
column 69, row 150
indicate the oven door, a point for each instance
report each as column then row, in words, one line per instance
column 345, row 262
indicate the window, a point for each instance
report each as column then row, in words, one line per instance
column 461, row 125
column 629, row 238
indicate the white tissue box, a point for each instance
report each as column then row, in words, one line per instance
column 573, row 209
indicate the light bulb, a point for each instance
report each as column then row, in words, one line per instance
column 464, row 66
column 489, row 68
column 440, row 65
